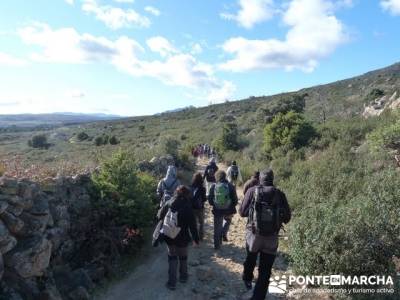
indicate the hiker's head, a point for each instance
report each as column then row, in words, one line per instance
column 183, row 192
column 212, row 160
column 220, row 175
column 267, row 177
column 256, row 175
column 171, row 172
column 234, row 163
column 197, row 179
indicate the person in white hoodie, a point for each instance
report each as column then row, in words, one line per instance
column 233, row 174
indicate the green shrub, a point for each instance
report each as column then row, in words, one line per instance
column 113, row 140
column 98, row 141
column 126, row 192
column 82, row 136
column 229, row 138
column 288, row 131
column 39, row 141
column 168, row 145
column 385, row 137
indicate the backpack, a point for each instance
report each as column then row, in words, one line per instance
column 211, row 169
column 234, row 172
column 168, row 192
column 221, row 198
column 265, row 213
column 170, row 226
column 197, row 202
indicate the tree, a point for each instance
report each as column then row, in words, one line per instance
column 82, row 136
column 288, row 131
column 113, row 140
column 38, row 141
column 229, row 138
column 98, row 141
column 169, row 145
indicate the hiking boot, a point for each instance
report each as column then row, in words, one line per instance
column 170, row 286
column 248, row 284
column 183, row 279
column 225, row 238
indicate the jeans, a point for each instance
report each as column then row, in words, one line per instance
column 175, row 255
column 221, row 228
column 264, row 272
column 199, row 215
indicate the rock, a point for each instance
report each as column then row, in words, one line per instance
column 33, row 224
column 1, row 266
column 13, row 223
column 30, row 257
column 15, row 210
column 50, row 293
column 55, row 236
column 205, row 273
column 81, row 278
column 7, row 242
column 8, row 186
column 80, row 293
column 48, row 185
column 40, row 206
column 3, row 206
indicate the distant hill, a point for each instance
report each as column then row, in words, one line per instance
column 52, row 119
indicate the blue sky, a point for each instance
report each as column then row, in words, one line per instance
column 135, row 57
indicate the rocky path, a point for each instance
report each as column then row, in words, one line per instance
column 213, row 274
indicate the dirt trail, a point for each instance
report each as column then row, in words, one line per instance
column 213, row 274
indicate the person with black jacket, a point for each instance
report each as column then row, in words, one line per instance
column 258, row 243
column 198, row 199
column 209, row 173
column 222, row 193
column 178, row 247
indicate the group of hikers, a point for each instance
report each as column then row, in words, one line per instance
column 182, row 212
column 203, row 151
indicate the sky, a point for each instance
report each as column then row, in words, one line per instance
column 140, row 57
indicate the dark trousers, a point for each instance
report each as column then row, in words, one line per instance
column 199, row 215
column 221, row 228
column 175, row 255
column 264, row 272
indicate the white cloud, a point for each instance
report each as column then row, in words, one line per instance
column 196, row 49
column 252, row 12
column 392, row 6
column 223, row 93
column 66, row 45
column 76, row 93
column 314, row 33
column 114, row 17
column 152, row 10
column 124, row 1
column 161, row 45
column 71, row 2
column 8, row 60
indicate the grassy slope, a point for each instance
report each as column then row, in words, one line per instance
column 340, row 99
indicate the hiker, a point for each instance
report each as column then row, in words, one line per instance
column 233, row 174
column 266, row 208
column 209, row 173
column 198, row 199
column 223, row 200
column 167, row 186
column 179, row 219
column 253, row 181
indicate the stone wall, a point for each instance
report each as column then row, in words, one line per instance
column 38, row 240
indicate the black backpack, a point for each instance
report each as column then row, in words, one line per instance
column 168, row 192
column 197, row 202
column 234, row 172
column 265, row 212
column 210, row 174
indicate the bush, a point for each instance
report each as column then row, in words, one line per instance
column 114, row 140
column 82, row 136
column 39, row 141
column 169, row 145
column 229, row 138
column 385, row 137
column 128, row 194
column 288, row 131
column 98, row 141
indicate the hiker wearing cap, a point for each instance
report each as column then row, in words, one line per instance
column 223, row 199
column 266, row 208
column 209, row 173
